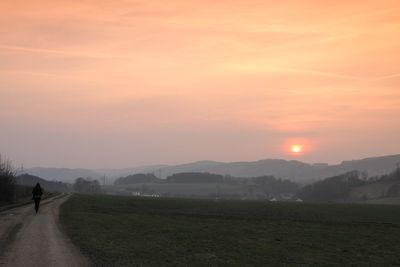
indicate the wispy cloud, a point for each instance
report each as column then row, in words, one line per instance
column 65, row 52
column 386, row 77
column 257, row 68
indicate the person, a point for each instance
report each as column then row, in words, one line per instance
column 37, row 193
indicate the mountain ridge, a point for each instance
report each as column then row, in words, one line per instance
column 294, row 170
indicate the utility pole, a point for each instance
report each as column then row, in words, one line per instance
column 22, row 172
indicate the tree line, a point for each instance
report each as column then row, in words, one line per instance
column 82, row 185
column 268, row 184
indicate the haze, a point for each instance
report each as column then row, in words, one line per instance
column 127, row 83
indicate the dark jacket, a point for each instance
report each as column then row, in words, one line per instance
column 37, row 192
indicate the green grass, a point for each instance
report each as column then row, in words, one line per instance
column 124, row 231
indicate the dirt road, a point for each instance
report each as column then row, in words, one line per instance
column 29, row 239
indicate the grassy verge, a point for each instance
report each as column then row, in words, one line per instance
column 124, row 231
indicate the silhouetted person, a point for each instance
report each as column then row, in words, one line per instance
column 37, row 193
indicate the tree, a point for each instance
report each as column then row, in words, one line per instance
column 138, row 179
column 85, row 186
column 195, row 177
column 7, row 180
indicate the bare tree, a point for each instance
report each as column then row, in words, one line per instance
column 7, row 180
column 86, row 186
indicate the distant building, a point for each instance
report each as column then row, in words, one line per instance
column 285, row 196
column 140, row 194
column 150, row 195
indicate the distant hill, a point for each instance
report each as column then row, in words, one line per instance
column 49, row 186
column 332, row 189
column 293, row 170
column 128, row 171
column 62, row 174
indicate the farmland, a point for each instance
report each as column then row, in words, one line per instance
column 130, row 231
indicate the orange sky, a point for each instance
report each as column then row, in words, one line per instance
column 126, row 83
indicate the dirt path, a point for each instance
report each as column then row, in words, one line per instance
column 29, row 239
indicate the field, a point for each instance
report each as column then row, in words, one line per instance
column 115, row 231
column 386, row 201
column 190, row 189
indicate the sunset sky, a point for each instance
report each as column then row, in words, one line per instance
column 125, row 83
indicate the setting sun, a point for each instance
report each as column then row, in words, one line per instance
column 296, row 149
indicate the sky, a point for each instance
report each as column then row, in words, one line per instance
column 126, row 83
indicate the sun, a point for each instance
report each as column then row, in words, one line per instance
column 296, row 149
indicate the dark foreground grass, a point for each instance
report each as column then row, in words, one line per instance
column 115, row 231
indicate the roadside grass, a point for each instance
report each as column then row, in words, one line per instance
column 127, row 231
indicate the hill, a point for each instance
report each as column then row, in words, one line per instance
column 62, row 174
column 110, row 172
column 332, row 189
column 293, row 170
column 49, row 186
column 353, row 187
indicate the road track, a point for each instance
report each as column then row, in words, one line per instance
column 29, row 239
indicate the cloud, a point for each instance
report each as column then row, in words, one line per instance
column 58, row 52
column 387, row 77
column 254, row 68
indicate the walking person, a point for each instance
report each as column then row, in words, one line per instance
column 37, row 193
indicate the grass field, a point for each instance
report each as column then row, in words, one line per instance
column 115, row 231
column 386, row 201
